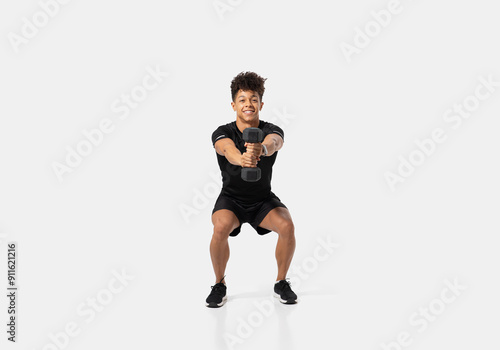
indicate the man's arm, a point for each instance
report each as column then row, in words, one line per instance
column 273, row 143
column 226, row 147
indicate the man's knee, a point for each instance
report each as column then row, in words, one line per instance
column 222, row 229
column 224, row 222
column 286, row 229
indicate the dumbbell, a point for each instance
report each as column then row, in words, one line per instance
column 252, row 135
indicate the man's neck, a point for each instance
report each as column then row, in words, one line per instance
column 242, row 125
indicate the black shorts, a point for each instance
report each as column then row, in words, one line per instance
column 252, row 213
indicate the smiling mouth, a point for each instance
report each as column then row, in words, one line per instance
column 249, row 112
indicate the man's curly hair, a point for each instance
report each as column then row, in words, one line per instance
column 248, row 81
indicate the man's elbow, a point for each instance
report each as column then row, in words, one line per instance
column 278, row 143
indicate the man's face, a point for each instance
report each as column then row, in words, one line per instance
column 247, row 105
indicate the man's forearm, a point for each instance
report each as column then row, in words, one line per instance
column 272, row 145
column 233, row 155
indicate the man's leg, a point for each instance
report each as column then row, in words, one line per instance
column 280, row 221
column 224, row 223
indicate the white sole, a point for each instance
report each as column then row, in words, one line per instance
column 276, row 295
column 224, row 299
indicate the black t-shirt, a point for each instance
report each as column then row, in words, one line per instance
column 232, row 183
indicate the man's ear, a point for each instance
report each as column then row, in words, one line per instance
column 261, row 105
column 233, row 105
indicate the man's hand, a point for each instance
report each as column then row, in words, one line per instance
column 248, row 160
column 254, row 148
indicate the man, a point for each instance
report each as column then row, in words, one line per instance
column 252, row 202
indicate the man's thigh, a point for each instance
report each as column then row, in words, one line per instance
column 277, row 219
column 225, row 220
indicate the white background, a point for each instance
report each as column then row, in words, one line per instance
column 347, row 124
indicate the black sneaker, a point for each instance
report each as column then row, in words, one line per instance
column 284, row 293
column 217, row 296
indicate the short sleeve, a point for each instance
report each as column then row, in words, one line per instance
column 220, row 133
column 270, row 128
